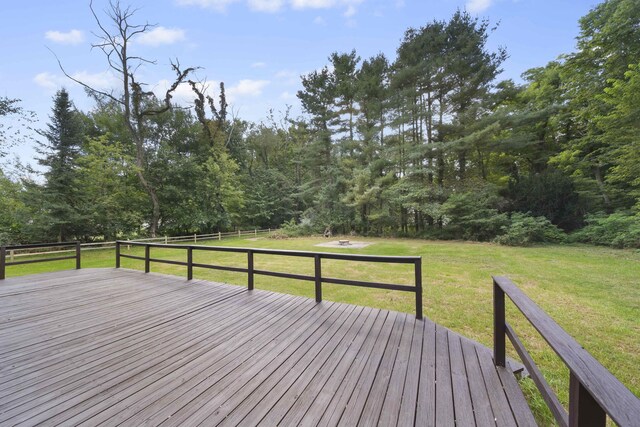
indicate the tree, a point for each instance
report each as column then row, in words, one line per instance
column 12, row 211
column 62, row 192
column 550, row 194
column 443, row 79
column 10, row 134
column 345, row 89
column 137, row 104
column 609, row 42
column 621, row 131
column 114, row 204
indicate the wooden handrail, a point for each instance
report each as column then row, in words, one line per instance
column 3, row 255
column 317, row 278
column 594, row 392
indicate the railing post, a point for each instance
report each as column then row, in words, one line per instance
column 195, row 238
column 239, row 233
column 250, row 269
column 78, row 255
column 418, row 279
column 255, row 232
column 117, row 254
column 499, row 329
column 219, row 235
column 584, row 411
column 3, row 261
column 12, row 255
column 189, row 263
column 166, row 240
column 147, row 255
column 318, row 277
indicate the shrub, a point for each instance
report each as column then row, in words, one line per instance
column 619, row 230
column 525, row 229
column 472, row 216
column 292, row 229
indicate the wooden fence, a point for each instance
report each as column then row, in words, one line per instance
column 20, row 251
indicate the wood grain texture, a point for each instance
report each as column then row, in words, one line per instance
column 606, row 391
column 115, row 346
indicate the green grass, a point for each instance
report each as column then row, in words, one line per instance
column 592, row 292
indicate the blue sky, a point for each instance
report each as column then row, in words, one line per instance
column 259, row 48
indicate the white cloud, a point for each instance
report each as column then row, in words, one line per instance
column 217, row 5
column 101, row 81
column 46, row 80
column 270, row 6
column 246, row 88
column 477, row 6
column 288, row 76
column 323, row 4
column 312, row 4
column 70, row 37
column 351, row 10
column 161, row 35
column 184, row 95
column 287, row 96
column 258, row 65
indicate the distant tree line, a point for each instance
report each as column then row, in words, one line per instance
column 428, row 144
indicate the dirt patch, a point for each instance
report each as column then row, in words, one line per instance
column 351, row 245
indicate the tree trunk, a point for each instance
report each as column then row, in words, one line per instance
column 155, row 204
column 597, row 172
column 462, row 165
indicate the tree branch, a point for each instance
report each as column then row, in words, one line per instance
column 81, row 83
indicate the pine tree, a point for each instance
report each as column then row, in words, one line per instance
column 61, row 192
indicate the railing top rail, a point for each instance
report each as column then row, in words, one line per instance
column 308, row 254
column 40, row 245
column 617, row 400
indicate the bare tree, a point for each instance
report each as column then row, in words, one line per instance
column 212, row 126
column 138, row 105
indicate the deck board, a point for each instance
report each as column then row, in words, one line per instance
column 117, row 346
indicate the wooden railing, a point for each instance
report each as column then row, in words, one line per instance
column 317, row 278
column 3, row 254
column 594, row 392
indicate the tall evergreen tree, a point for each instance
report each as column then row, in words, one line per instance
column 62, row 193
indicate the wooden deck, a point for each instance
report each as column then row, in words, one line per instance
column 114, row 346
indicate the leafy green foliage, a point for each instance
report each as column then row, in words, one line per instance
column 293, row 229
column 473, row 216
column 428, row 143
column 549, row 194
column 114, row 203
column 609, row 42
column 525, row 229
column 619, row 230
column 621, row 129
column 12, row 211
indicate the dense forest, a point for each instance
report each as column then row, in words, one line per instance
column 429, row 143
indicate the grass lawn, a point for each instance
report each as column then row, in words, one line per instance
column 592, row 292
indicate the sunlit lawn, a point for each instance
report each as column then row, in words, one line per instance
column 593, row 293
